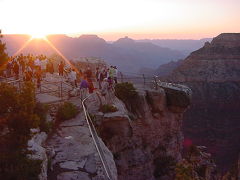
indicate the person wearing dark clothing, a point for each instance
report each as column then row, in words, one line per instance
column 51, row 68
column 22, row 64
column 16, row 70
column 88, row 73
column 90, row 86
column 28, row 76
column 9, row 69
column 38, row 76
column 61, row 69
column 83, row 88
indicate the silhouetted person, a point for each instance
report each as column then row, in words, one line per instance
column 16, row 70
column 61, row 69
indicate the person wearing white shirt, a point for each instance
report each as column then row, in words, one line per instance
column 73, row 77
column 37, row 63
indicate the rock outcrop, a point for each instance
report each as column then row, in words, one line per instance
column 147, row 141
column 38, row 152
column 213, row 74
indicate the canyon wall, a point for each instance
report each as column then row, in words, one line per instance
column 213, row 74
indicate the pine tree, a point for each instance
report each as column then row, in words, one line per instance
column 3, row 54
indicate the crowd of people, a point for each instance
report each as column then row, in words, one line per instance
column 105, row 79
column 34, row 68
column 28, row 68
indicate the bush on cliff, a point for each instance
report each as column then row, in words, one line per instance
column 128, row 94
column 164, row 165
column 107, row 108
column 66, row 111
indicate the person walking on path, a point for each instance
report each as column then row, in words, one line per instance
column 73, row 77
column 83, row 88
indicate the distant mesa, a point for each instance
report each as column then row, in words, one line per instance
column 125, row 40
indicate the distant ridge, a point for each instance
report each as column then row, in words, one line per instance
column 125, row 53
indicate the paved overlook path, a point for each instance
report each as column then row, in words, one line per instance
column 76, row 157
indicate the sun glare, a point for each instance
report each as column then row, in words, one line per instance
column 38, row 36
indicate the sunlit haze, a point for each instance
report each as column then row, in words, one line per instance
column 112, row 19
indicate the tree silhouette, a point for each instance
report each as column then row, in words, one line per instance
column 3, row 54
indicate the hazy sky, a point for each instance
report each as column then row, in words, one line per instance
column 114, row 18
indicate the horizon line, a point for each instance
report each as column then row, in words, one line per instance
column 100, row 36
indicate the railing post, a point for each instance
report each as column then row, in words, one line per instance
column 121, row 77
column 144, row 81
column 155, row 81
column 19, row 85
column 40, row 88
column 61, row 89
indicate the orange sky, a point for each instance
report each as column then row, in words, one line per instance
column 111, row 19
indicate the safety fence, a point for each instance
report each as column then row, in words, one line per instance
column 61, row 88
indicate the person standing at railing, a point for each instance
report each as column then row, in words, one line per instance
column 88, row 73
column 99, row 77
column 27, row 76
column 16, row 70
column 111, row 72
column 115, row 73
column 22, row 64
column 50, row 67
column 37, row 63
column 60, row 68
column 106, row 90
column 9, row 69
column 44, row 63
column 38, row 75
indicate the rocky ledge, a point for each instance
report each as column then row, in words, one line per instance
column 146, row 141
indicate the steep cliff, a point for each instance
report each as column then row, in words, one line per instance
column 147, row 141
column 213, row 74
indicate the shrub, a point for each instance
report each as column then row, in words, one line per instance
column 66, row 111
column 107, row 108
column 184, row 170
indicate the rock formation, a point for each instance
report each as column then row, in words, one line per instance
column 213, row 74
column 147, row 141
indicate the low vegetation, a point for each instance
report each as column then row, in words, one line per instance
column 125, row 91
column 41, row 110
column 66, row 111
column 107, row 108
column 164, row 165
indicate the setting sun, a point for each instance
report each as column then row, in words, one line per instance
column 38, row 36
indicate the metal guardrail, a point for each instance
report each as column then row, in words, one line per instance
column 96, row 140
